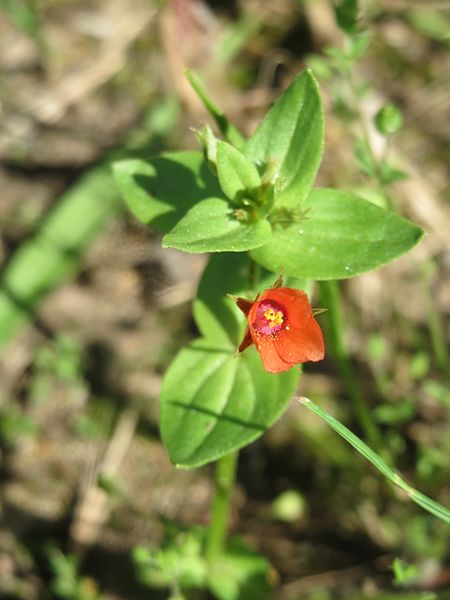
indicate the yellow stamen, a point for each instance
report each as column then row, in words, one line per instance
column 274, row 318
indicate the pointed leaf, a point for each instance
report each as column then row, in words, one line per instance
column 340, row 236
column 227, row 129
column 213, row 403
column 237, row 174
column 161, row 191
column 291, row 135
column 210, row 226
column 346, row 12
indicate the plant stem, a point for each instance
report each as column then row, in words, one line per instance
column 438, row 342
column 331, row 298
column 365, row 132
column 220, row 511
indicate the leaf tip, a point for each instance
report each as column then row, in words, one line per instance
column 303, row 400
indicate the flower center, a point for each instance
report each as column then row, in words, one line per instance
column 270, row 318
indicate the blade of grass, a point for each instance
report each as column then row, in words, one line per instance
column 330, row 296
column 55, row 251
column 24, row 14
column 427, row 503
column 229, row 131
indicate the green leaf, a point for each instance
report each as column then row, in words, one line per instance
column 213, row 403
column 240, row 574
column 358, row 44
column 238, row 176
column 178, row 559
column 291, row 135
column 217, row 317
column 426, row 503
column 161, row 191
column 227, row 129
column 340, row 236
column 346, row 12
column 211, row 226
column 365, row 158
column 404, row 572
column 390, row 174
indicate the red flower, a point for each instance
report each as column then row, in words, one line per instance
column 282, row 326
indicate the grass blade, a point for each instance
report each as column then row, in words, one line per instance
column 426, row 503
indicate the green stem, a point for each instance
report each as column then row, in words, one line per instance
column 228, row 130
column 220, row 512
column 331, row 298
column 378, row 162
column 435, row 326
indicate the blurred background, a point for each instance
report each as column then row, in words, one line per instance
column 92, row 311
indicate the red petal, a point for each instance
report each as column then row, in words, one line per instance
column 299, row 345
column 302, row 340
column 271, row 360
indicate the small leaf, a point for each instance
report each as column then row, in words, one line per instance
column 211, row 226
column 341, row 236
column 213, row 403
column 365, row 159
column 388, row 119
column 227, row 129
column 346, row 12
column 238, row 176
column 291, row 136
column 390, row 174
column 178, row 559
column 161, row 191
column 358, row 45
column 240, row 574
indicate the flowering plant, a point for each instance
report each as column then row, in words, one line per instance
column 251, row 204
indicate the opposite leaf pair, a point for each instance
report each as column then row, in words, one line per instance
column 323, row 233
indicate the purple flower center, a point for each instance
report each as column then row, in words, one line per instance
column 270, row 318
